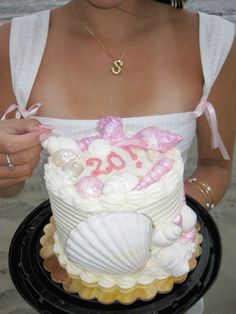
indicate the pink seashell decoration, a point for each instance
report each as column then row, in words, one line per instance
column 189, row 236
column 177, row 220
column 153, row 138
column 89, row 187
column 84, row 142
column 111, row 128
column 160, row 168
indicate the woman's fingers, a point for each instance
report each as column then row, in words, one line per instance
column 20, row 158
column 19, row 171
column 20, row 146
column 6, row 183
column 15, row 143
column 19, row 126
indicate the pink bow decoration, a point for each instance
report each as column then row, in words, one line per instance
column 111, row 128
column 22, row 112
column 207, row 108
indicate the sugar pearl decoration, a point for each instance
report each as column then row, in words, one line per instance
column 64, row 156
column 89, row 187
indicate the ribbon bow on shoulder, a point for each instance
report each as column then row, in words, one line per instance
column 22, row 112
column 206, row 108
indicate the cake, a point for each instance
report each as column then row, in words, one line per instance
column 119, row 206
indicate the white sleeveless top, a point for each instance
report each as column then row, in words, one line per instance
column 28, row 39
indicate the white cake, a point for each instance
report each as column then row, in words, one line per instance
column 119, row 207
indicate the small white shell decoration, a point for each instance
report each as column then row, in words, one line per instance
column 114, row 243
column 74, row 168
column 167, row 235
column 63, row 156
column 115, row 187
column 99, row 148
column 89, row 187
column 129, row 179
column 55, row 143
column 172, row 261
column 189, row 218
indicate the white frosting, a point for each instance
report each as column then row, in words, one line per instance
column 161, row 202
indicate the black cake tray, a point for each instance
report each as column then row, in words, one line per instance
column 44, row 295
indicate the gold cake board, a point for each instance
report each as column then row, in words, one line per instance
column 94, row 291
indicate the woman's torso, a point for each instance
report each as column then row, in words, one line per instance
column 162, row 82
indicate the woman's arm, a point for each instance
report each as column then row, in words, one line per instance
column 212, row 168
column 20, row 139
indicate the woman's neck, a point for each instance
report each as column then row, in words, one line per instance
column 114, row 21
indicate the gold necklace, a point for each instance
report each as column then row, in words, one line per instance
column 117, row 64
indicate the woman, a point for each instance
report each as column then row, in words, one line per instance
column 143, row 60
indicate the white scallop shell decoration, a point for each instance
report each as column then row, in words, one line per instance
column 115, row 243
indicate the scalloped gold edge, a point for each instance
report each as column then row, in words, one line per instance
column 93, row 291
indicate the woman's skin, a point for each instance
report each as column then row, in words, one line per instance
column 162, row 74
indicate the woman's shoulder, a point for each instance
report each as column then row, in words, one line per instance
column 6, row 95
column 4, row 49
column 4, row 40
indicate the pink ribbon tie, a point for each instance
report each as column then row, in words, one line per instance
column 207, row 108
column 22, row 112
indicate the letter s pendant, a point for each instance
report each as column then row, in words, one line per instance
column 117, row 66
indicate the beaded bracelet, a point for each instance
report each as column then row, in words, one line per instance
column 205, row 189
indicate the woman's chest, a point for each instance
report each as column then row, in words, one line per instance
column 76, row 81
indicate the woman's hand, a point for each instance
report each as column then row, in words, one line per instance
column 20, row 146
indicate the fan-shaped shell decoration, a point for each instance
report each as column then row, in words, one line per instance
column 154, row 139
column 111, row 128
column 116, row 243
